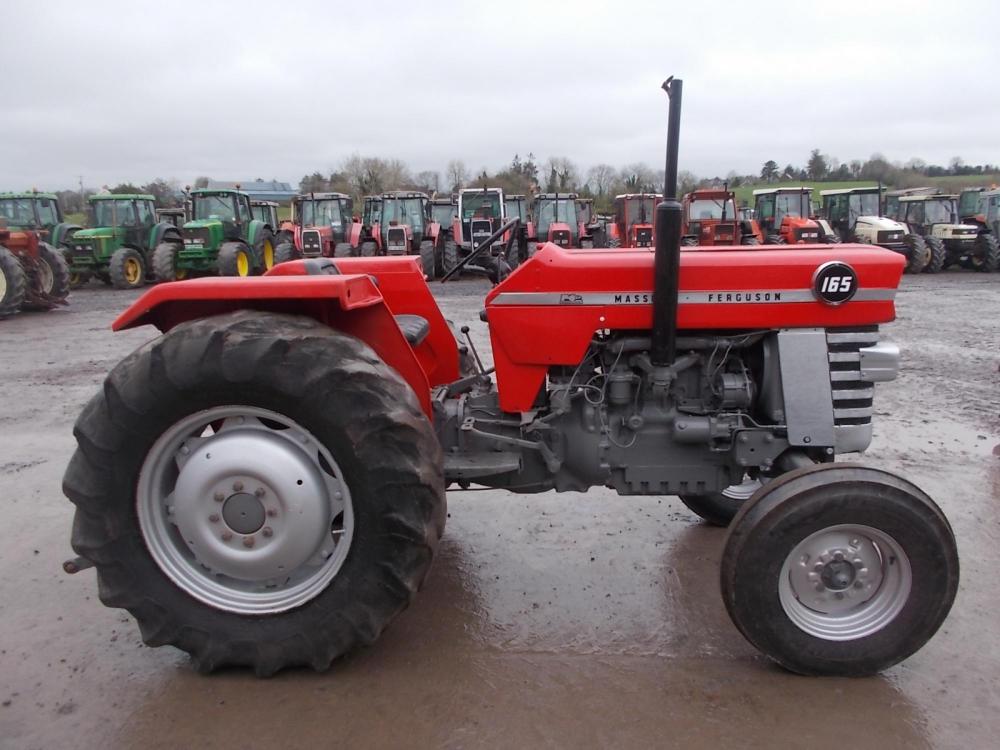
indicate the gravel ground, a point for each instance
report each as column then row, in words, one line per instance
column 574, row 619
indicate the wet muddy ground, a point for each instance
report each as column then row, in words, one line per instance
column 550, row 620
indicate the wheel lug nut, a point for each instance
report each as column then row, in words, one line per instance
column 266, row 531
column 248, row 541
column 185, row 450
column 838, row 555
column 227, row 535
column 259, row 492
column 237, row 486
column 219, row 497
column 271, row 512
column 214, row 518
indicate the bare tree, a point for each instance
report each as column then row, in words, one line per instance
column 562, row 174
column 601, row 178
column 428, row 181
column 458, row 175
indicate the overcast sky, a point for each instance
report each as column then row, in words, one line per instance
column 117, row 92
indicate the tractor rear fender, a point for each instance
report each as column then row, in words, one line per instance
column 62, row 232
column 432, row 232
column 163, row 231
column 354, row 233
column 349, row 303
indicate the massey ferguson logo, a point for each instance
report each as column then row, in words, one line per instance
column 571, row 299
column 835, row 283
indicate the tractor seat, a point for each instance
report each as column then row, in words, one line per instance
column 414, row 328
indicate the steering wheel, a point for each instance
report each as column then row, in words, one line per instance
column 484, row 245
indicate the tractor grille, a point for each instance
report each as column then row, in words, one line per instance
column 889, row 236
column 807, row 234
column 83, row 252
column 724, row 234
column 396, row 241
column 853, row 388
column 480, row 231
column 561, row 237
column 312, row 244
column 644, row 238
column 198, row 236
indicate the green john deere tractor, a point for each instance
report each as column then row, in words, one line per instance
column 37, row 212
column 223, row 237
column 118, row 249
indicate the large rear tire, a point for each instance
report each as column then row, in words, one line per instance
column 839, row 569
column 54, row 270
column 343, row 250
column 127, row 268
column 165, row 263
column 427, row 258
column 368, row 249
column 450, row 255
column 235, row 259
column 285, row 252
column 13, row 283
column 774, row 239
column 918, row 255
column 937, row 255
column 264, row 251
column 987, row 254
column 343, row 476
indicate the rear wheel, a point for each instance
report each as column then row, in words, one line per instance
column 343, row 250
column 427, row 258
column 237, row 519
column 937, row 255
column 13, row 283
column 368, row 249
column 839, row 569
column 449, row 258
column 918, row 255
column 53, row 272
column 774, row 239
column 165, row 263
column 127, row 268
column 987, row 254
column 234, row 259
column 285, row 252
column 749, row 239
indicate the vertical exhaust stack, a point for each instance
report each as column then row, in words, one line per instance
column 667, row 227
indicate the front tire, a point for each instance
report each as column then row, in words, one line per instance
column 264, row 251
column 427, row 258
column 839, row 569
column 450, row 255
column 234, row 259
column 368, row 249
column 304, row 397
column 918, row 255
column 987, row 254
column 13, row 283
column 285, row 252
column 53, row 271
column 343, row 250
column 937, row 256
column 165, row 263
column 127, row 268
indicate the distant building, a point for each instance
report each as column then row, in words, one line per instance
column 266, row 190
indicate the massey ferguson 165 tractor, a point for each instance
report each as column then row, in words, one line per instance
column 118, row 248
column 222, row 237
column 633, row 225
column 264, row 484
column 784, row 216
column 710, row 218
column 935, row 218
column 855, row 215
column 322, row 225
column 33, row 274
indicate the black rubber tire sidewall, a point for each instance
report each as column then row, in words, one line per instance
column 764, row 533
column 332, row 385
column 16, row 287
column 715, row 508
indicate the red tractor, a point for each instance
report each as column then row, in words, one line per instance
column 556, row 218
column 322, row 225
column 33, row 274
column 785, row 216
column 710, row 218
column 633, row 225
column 264, row 484
column 401, row 224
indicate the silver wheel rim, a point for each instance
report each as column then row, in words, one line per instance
column 3, row 285
column 244, row 510
column 45, row 276
column 845, row 582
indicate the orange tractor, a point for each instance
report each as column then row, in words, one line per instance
column 33, row 274
column 710, row 218
column 784, row 215
column 633, row 225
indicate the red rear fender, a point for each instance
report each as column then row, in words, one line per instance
column 349, row 303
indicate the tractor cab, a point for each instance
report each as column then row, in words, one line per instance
column 405, row 218
column 38, row 212
column 855, row 215
column 634, row 219
column 516, row 205
column 221, row 212
column 176, row 217
column 709, row 218
column 265, row 211
column 784, row 216
column 556, row 219
column 892, row 198
column 988, row 212
column 973, row 205
column 443, row 211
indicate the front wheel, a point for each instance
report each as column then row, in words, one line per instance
column 918, row 255
column 839, row 569
column 257, row 489
column 343, row 250
column 368, row 249
column 427, row 258
column 165, row 263
column 774, row 239
column 264, row 250
column 13, row 283
column 127, row 268
column 987, row 254
column 749, row 239
column 285, row 252
column 234, row 259
column 937, row 255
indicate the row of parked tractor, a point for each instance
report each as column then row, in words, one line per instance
column 225, row 232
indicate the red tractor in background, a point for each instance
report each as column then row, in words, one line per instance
column 710, row 218
column 556, row 218
column 784, row 216
column 401, row 224
column 478, row 214
column 594, row 232
column 633, row 225
column 264, row 485
column 322, row 225
column 33, row 274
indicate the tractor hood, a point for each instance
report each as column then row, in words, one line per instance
column 203, row 224
column 98, row 233
column 881, row 224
